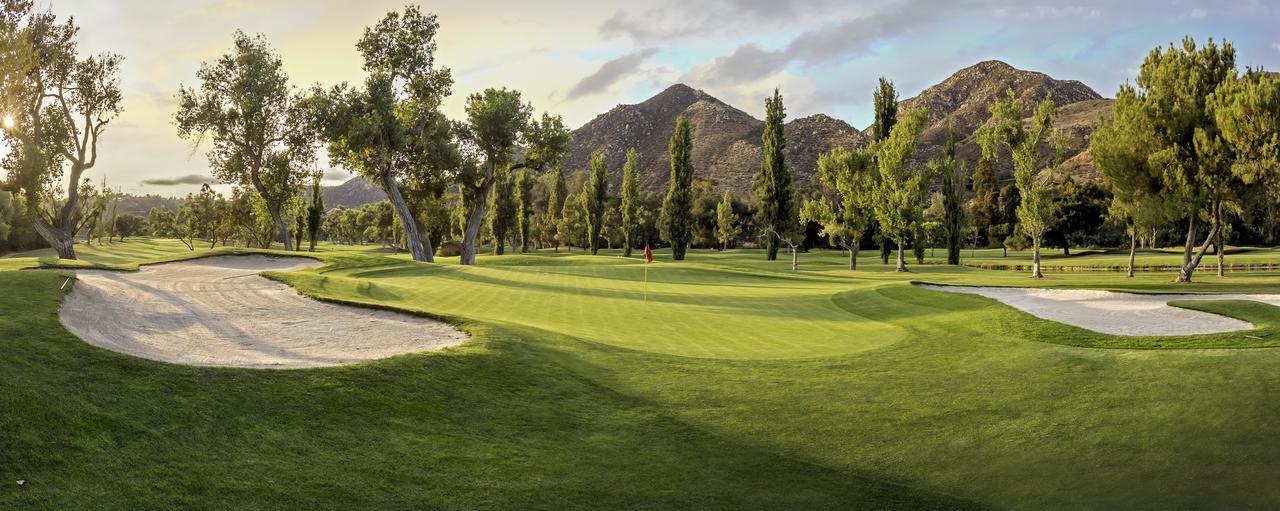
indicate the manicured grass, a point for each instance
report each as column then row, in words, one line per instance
column 734, row 383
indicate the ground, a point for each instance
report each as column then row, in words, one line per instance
column 724, row 382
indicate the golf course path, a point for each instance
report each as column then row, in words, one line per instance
column 1116, row 313
column 218, row 311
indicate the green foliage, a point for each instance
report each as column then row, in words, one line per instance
column 852, row 176
column 502, row 212
column 595, row 195
column 727, row 228
column 984, row 207
column 885, row 104
column 315, row 213
column 899, row 192
column 524, row 208
column 676, row 223
column 630, row 202
column 953, row 220
column 775, row 201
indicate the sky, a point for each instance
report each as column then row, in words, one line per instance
column 578, row 59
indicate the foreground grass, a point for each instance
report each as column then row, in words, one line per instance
column 724, row 382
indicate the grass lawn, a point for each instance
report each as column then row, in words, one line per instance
column 724, row 382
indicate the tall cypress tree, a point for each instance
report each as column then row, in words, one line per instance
column 952, row 206
column 630, row 202
column 501, row 212
column 524, row 207
column 772, row 186
column 984, row 206
column 556, row 194
column 885, row 100
column 676, row 222
column 315, row 212
column 595, row 194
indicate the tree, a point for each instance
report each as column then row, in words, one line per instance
column 630, row 199
column 391, row 131
column 984, row 205
column 726, row 221
column 1246, row 112
column 1005, row 128
column 161, row 223
column 596, row 195
column 1192, row 163
column 502, row 211
column 557, row 191
column 257, row 126
column 885, row 105
column 899, row 193
column 572, row 227
column 851, row 176
column 524, row 208
column 497, row 120
column 952, row 204
column 772, row 185
column 315, row 212
column 676, row 223
column 127, row 225
column 60, row 106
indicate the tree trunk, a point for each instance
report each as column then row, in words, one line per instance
column 471, row 234
column 1133, row 249
column 1189, row 243
column 58, row 239
column 407, row 221
column 1217, row 226
column 884, row 251
column 1035, row 260
column 424, row 237
column 902, row 259
column 853, row 256
column 1189, row 269
column 282, row 229
column 795, row 259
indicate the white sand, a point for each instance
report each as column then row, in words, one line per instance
column 1116, row 313
column 218, row 311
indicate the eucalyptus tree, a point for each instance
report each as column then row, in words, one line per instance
column 497, row 121
column 258, row 127
column 630, row 202
column 390, row 129
column 846, row 210
column 1006, row 128
column 676, row 221
column 596, row 194
column 900, row 190
column 57, row 106
column 775, row 203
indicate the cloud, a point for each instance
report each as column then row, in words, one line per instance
column 841, row 41
column 609, row 73
column 191, row 179
column 683, row 18
column 1276, row 45
column 336, row 175
column 1199, row 13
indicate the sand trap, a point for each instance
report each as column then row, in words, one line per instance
column 218, row 311
column 1116, row 313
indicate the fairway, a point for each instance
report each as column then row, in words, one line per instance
column 734, row 383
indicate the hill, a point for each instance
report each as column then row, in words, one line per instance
column 726, row 140
column 352, row 194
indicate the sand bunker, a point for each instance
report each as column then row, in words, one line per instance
column 218, row 311
column 1116, row 313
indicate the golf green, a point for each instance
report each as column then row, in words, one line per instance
column 723, row 381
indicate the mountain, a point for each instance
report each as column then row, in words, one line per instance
column 352, row 194
column 726, row 140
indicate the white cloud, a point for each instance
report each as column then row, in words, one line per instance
column 1199, row 13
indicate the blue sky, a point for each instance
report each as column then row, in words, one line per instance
column 580, row 58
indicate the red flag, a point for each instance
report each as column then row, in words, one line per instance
column 648, row 253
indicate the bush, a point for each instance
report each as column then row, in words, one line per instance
column 451, row 248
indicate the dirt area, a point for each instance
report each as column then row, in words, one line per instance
column 218, row 311
column 1116, row 313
